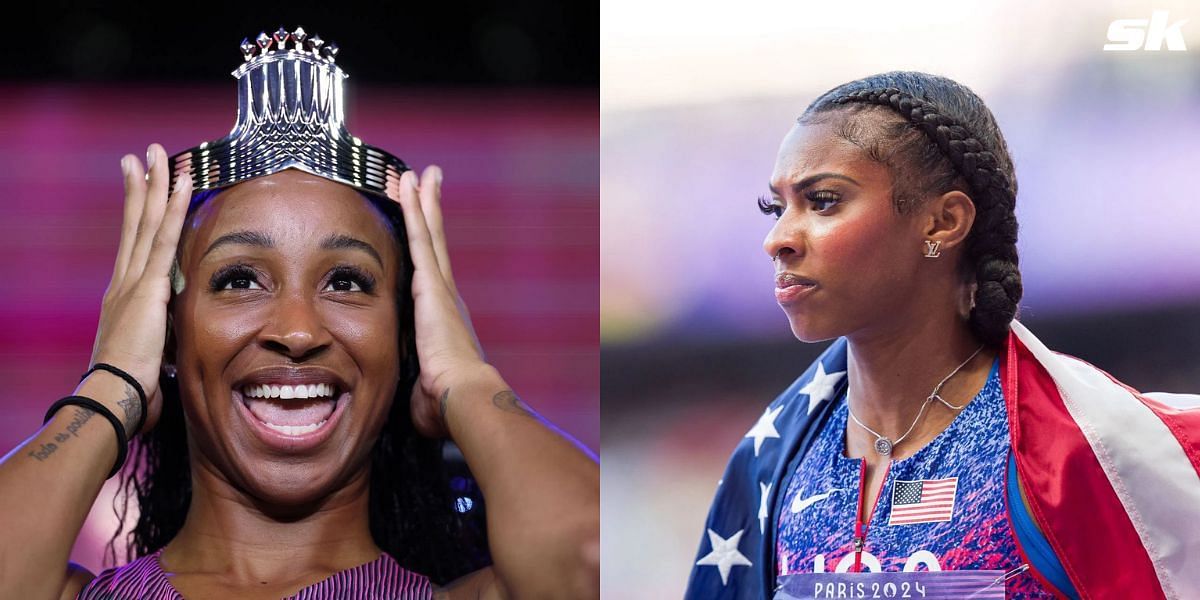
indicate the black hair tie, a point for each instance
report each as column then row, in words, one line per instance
column 84, row 401
column 131, row 381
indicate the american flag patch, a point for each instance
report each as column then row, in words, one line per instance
column 923, row 501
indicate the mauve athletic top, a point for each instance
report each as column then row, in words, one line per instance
column 379, row 579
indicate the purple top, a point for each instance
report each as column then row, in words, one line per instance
column 379, row 579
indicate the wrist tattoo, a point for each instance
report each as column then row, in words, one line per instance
column 132, row 405
column 442, row 403
column 82, row 415
column 508, row 401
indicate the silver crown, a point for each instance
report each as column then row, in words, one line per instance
column 291, row 114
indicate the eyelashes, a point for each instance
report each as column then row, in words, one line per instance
column 768, row 207
column 239, row 273
column 821, row 200
column 242, row 276
column 343, row 273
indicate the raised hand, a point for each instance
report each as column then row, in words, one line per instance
column 133, row 317
column 446, row 343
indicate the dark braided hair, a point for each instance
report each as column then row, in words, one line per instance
column 412, row 504
column 946, row 139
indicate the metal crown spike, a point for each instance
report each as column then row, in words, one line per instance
column 263, row 40
column 331, row 51
column 281, row 37
column 315, row 43
column 299, row 36
column 248, row 48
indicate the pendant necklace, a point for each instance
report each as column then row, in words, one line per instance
column 883, row 445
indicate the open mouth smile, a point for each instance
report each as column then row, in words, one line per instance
column 292, row 413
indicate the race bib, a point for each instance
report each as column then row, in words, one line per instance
column 921, row 585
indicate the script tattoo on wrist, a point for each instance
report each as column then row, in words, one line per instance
column 132, row 405
column 81, row 415
column 508, row 401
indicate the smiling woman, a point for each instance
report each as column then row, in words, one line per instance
column 288, row 349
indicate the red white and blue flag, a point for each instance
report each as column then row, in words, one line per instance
column 1111, row 476
column 925, row 501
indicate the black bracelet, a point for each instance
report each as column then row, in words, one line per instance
column 84, row 401
column 131, row 381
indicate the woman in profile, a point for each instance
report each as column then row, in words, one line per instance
column 937, row 433
column 283, row 336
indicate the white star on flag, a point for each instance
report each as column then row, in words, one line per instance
column 821, row 386
column 725, row 554
column 762, row 506
column 765, row 427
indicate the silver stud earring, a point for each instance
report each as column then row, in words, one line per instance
column 170, row 370
column 933, row 249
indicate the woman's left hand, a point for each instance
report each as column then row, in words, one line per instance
column 447, row 347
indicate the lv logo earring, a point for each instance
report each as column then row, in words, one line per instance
column 932, row 249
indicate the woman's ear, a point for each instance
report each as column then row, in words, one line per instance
column 948, row 219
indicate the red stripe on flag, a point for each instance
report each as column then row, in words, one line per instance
column 1182, row 423
column 923, row 505
column 931, row 486
column 915, row 519
column 942, row 510
column 936, row 503
column 1067, row 489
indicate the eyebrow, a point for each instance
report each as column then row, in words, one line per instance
column 244, row 238
column 799, row 186
column 338, row 241
column 334, row 241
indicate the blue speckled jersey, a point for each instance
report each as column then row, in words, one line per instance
column 942, row 508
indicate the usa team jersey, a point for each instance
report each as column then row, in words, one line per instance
column 942, row 508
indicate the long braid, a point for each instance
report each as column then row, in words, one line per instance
column 992, row 243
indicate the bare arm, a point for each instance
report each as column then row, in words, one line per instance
column 48, row 484
column 542, row 489
column 50, row 481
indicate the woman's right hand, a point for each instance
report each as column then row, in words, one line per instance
column 133, row 317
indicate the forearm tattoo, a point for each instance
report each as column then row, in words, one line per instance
column 508, row 401
column 132, row 405
column 442, row 402
column 505, row 400
column 79, row 417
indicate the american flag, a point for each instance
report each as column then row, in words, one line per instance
column 1052, row 400
column 924, row 501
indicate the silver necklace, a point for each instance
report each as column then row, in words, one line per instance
column 883, row 445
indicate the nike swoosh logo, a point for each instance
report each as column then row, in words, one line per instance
column 799, row 504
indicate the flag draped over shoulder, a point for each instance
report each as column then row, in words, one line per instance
column 1111, row 475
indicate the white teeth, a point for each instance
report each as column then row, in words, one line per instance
column 287, row 392
column 295, row 429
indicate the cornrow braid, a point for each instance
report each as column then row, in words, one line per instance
column 983, row 165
